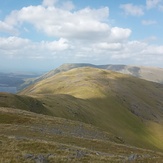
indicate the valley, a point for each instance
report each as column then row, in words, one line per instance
column 13, row 82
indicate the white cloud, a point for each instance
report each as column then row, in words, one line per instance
column 152, row 3
column 47, row 3
column 149, row 22
column 60, row 45
column 108, row 46
column 79, row 35
column 70, row 51
column 68, row 5
column 154, row 51
column 130, row 9
column 12, row 43
column 19, row 47
column 82, row 25
column 4, row 27
column 158, row 4
column 75, row 33
column 119, row 34
column 56, row 22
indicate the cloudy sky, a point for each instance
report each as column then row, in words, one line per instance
column 43, row 34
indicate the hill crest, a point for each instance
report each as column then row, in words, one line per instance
column 154, row 74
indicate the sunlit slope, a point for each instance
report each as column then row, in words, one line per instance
column 121, row 104
column 154, row 74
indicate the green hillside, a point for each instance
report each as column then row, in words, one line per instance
column 125, row 106
column 22, row 102
column 26, row 137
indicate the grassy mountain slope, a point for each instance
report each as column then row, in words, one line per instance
column 114, row 102
column 22, row 102
column 148, row 73
column 29, row 137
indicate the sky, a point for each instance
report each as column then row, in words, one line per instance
column 40, row 35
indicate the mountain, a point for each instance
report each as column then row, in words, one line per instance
column 85, row 114
column 121, row 104
column 154, row 74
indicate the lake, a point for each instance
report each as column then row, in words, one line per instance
column 8, row 89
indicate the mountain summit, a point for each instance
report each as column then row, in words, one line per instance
column 154, row 74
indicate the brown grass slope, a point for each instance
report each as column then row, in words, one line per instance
column 126, row 106
column 29, row 137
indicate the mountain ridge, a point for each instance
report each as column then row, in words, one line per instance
column 106, row 99
column 126, row 69
column 154, row 74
